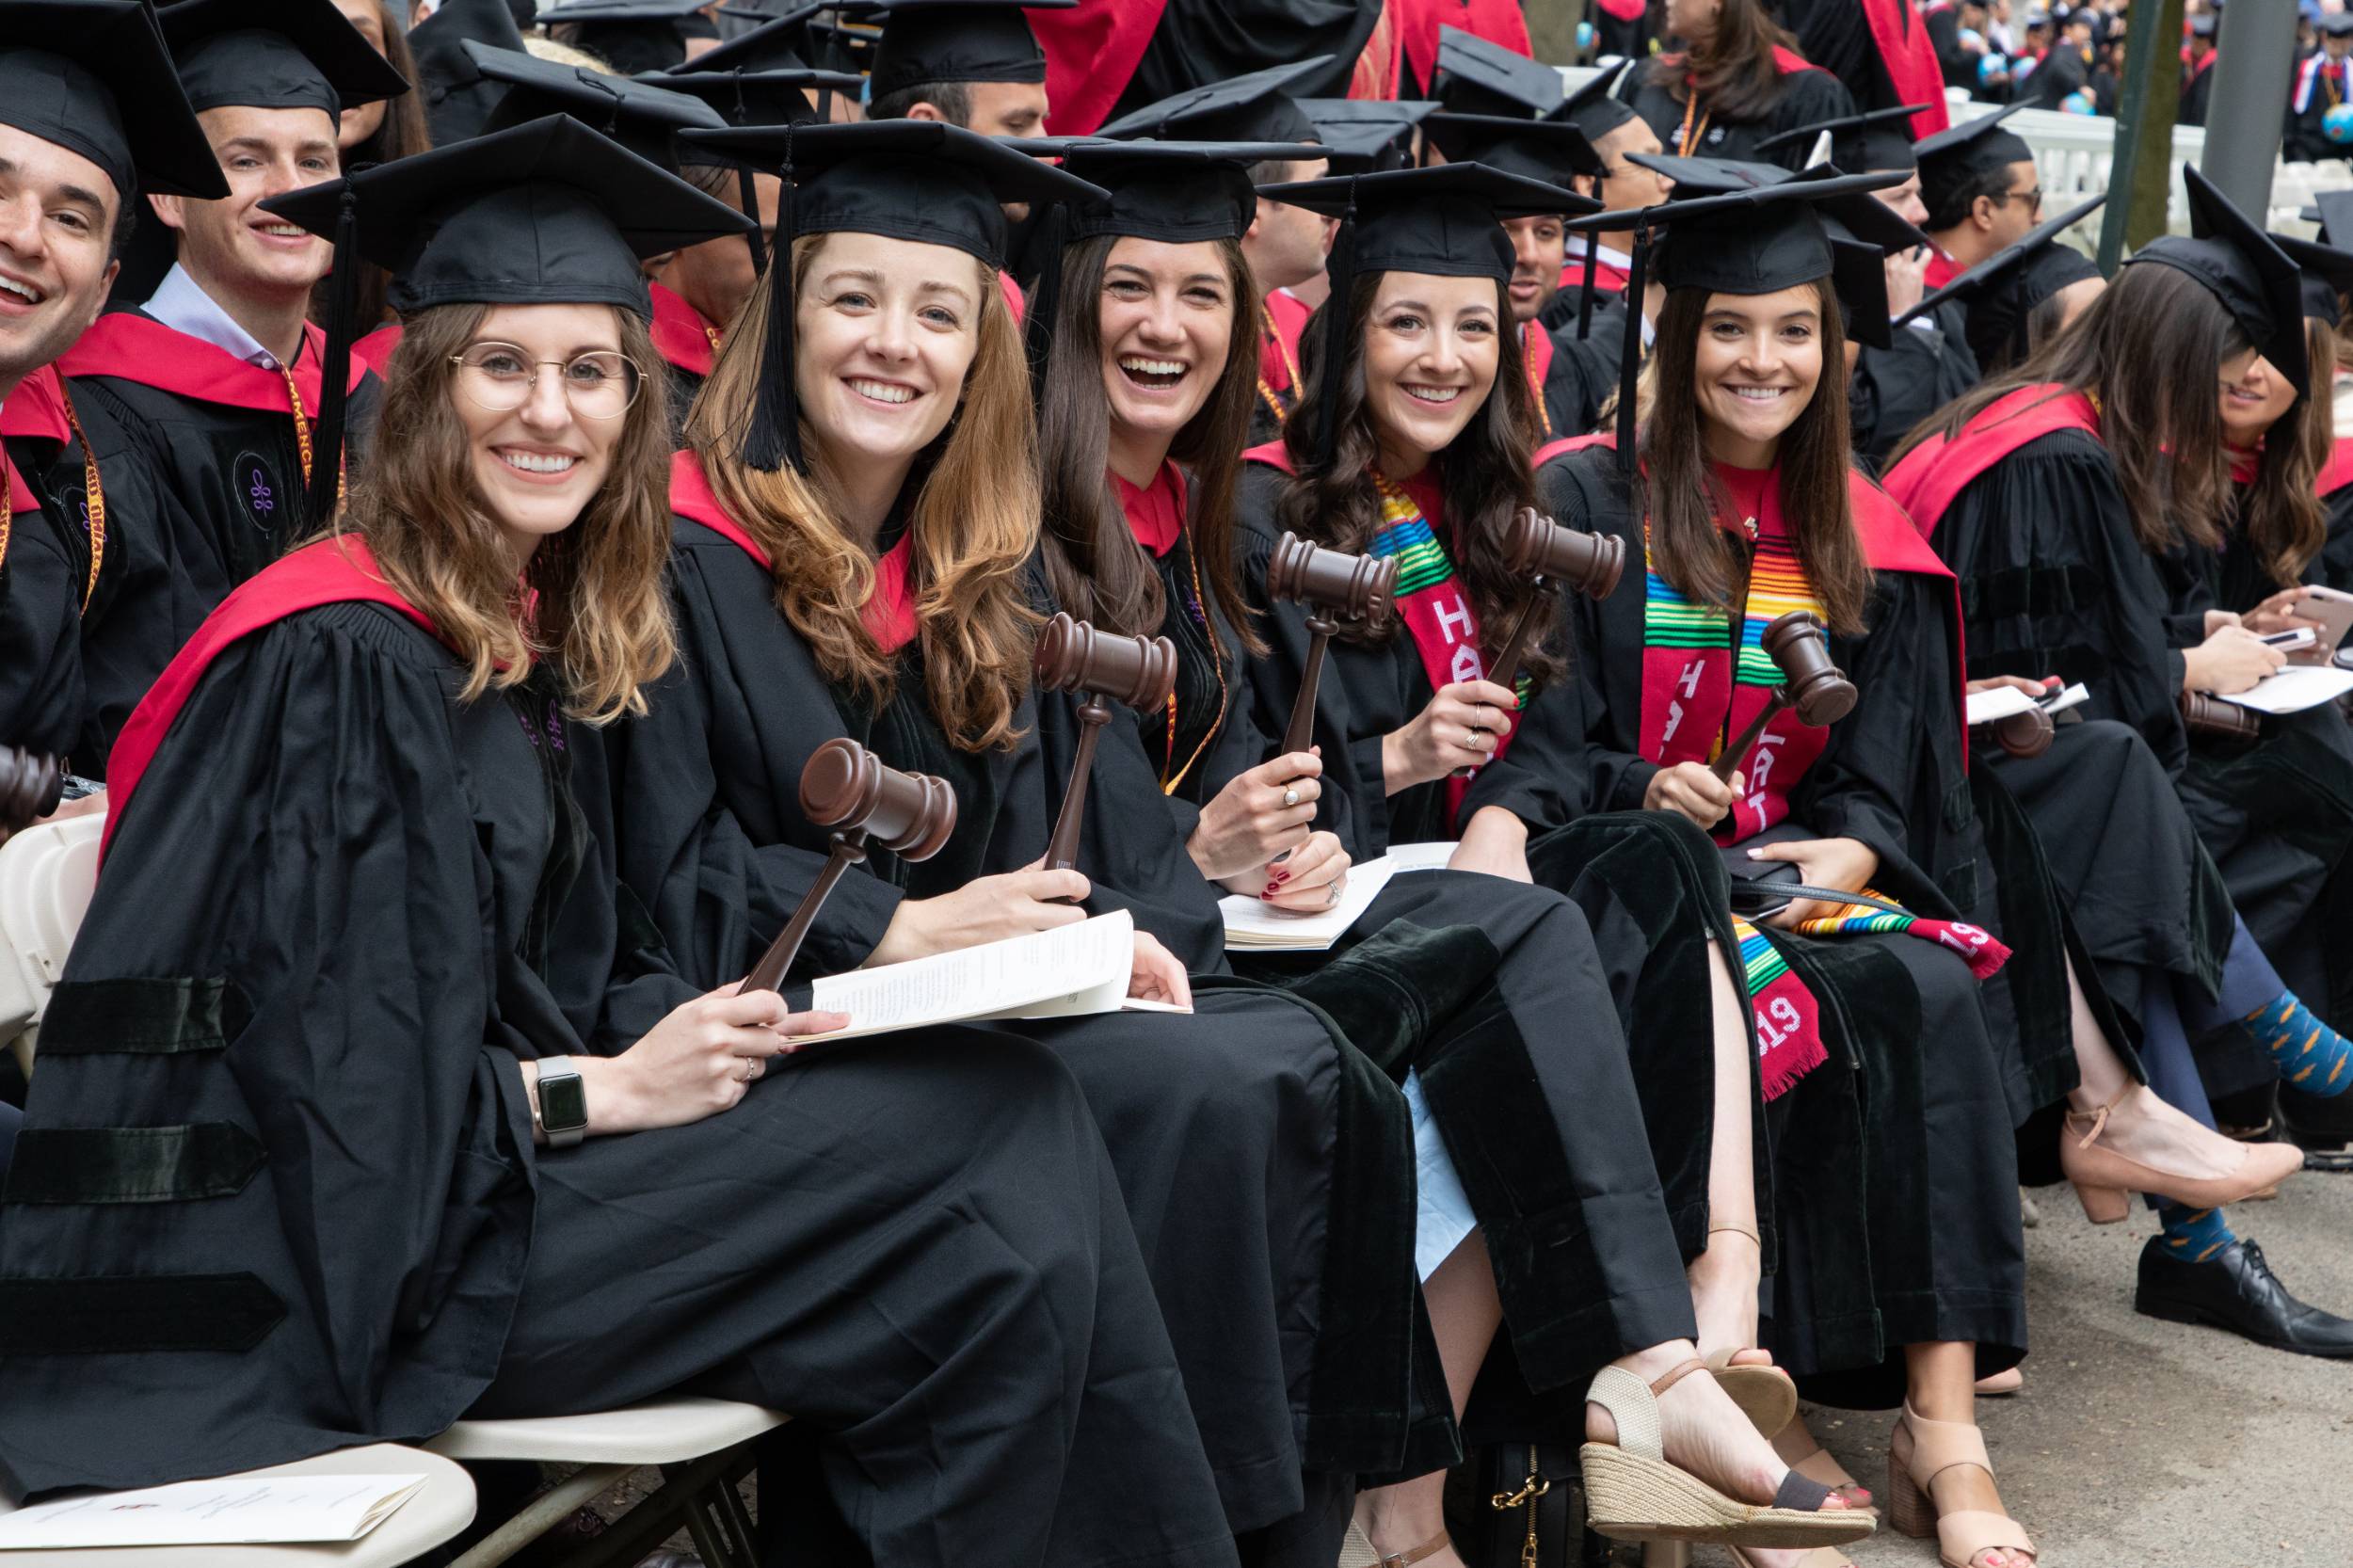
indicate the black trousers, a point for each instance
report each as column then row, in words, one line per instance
column 915, row 1243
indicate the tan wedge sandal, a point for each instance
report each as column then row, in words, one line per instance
column 1918, row 1452
column 1633, row 1494
column 1764, row 1393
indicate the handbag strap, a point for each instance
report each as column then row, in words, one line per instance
column 1789, row 892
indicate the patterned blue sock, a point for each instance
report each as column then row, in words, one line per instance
column 2310, row 1055
column 2194, row 1235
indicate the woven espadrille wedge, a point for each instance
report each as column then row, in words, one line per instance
column 1633, row 1494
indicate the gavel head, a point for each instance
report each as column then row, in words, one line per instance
column 1353, row 587
column 1799, row 649
column 1535, row 546
column 844, row 787
column 2219, row 720
column 1072, row 656
column 2027, row 734
column 30, row 786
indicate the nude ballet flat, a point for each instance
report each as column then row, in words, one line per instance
column 2104, row 1180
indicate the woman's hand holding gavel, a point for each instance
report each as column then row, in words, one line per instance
column 1692, row 790
column 1259, row 814
column 1458, row 728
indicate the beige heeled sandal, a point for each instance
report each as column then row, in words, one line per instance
column 1918, row 1452
column 2106, row 1180
column 1633, row 1494
column 1356, row 1548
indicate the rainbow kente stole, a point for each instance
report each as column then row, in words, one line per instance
column 1694, row 696
column 1444, row 627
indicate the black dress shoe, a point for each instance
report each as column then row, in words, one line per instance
column 2235, row 1290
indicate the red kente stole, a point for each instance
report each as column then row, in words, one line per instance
column 1933, row 473
column 889, row 612
column 331, row 572
column 680, row 335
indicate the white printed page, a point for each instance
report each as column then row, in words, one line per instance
column 1072, row 969
column 232, row 1510
column 2295, row 688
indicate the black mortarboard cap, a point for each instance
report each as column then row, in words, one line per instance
column 2002, row 290
column 275, row 55
column 1547, row 150
column 2327, row 273
column 1950, row 157
column 99, row 83
column 917, row 179
column 457, row 98
column 1446, row 220
column 752, row 97
column 1250, row 107
column 1592, row 108
column 1475, row 76
column 1859, row 142
column 630, row 36
column 2258, row 283
column 642, row 119
column 548, row 213
column 1362, row 135
column 956, row 40
column 2333, row 211
column 771, row 41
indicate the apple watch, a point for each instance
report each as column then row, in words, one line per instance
column 561, row 1104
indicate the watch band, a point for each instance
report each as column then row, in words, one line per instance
column 560, row 1103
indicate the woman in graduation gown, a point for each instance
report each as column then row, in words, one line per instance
column 1458, row 984
column 1740, row 499
column 318, row 1154
column 1738, row 82
column 874, row 582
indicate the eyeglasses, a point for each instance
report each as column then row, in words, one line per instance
column 501, row 377
column 2033, row 198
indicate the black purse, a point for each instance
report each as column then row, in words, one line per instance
column 1522, row 1505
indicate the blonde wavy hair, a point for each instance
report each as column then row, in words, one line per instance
column 972, row 529
column 592, row 600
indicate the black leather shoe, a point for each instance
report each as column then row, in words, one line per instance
column 2235, row 1290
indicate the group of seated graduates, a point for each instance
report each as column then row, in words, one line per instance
column 449, row 668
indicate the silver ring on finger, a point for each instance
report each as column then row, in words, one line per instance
column 751, row 1068
column 1291, row 797
column 1330, row 892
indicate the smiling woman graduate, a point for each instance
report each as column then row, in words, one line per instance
column 362, row 1106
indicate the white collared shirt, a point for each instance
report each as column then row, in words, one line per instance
column 181, row 304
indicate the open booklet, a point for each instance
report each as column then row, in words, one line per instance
column 1259, row 927
column 233, row 1510
column 2294, row 689
column 1063, row 974
column 2000, row 702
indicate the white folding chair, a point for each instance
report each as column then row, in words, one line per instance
column 47, row 874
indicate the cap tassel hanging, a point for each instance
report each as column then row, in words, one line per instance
column 774, row 440
column 746, row 182
column 326, row 436
column 1585, row 288
column 1342, row 271
column 1631, row 346
column 1044, row 302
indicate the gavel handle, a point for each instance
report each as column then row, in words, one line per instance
column 768, row 974
column 1302, row 726
column 1723, row 767
column 1062, row 849
column 1507, row 668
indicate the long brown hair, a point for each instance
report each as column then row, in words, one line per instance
column 971, row 531
column 402, row 132
column 2284, row 521
column 591, row 599
column 1097, row 569
column 1690, row 549
column 1734, row 73
column 1485, row 476
column 2150, row 351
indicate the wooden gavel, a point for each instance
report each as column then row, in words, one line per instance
column 31, row 784
column 1549, row 555
column 1817, row 688
column 2216, row 719
column 1072, row 656
column 848, row 789
column 2027, row 734
column 1336, row 588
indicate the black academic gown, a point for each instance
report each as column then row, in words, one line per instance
column 40, row 625
column 1579, row 376
column 1231, row 1129
column 2197, row 88
column 1908, row 1148
column 1894, row 389
column 2335, row 567
column 1464, row 980
column 2305, row 139
column 278, row 1194
column 1805, row 95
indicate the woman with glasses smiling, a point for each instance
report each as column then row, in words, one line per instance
column 366, row 1107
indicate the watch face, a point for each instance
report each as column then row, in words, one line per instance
column 563, row 1103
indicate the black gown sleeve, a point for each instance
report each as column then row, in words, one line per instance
column 1585, row 490
column 1894, row 389
column 40, row 638
column 2335, row 568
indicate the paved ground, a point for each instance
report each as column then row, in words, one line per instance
column 2145, row 1445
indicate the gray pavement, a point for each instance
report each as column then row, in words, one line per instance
column 2139, row 1444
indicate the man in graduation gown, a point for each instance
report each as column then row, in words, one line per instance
column 1981, row 190
column 1595, row 275
column 87, row 120
column 2198, row 57
column 1927, row 363
column 975, row 65
column 2324, row 81
column 218, row 382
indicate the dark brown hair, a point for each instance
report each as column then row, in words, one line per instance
column 1097, row 569
column 1688, row 547
column 597, row 605
column 1735, row 71
column 2282, row 514
column 1485, row 476
column 2150, row 351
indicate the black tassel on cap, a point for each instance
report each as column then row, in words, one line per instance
column 1631, row 346
column 747, row 189
column 326, row 426
column 1341, row 270
column 1585, row 289
column 1045, row 301
column 774, row 440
